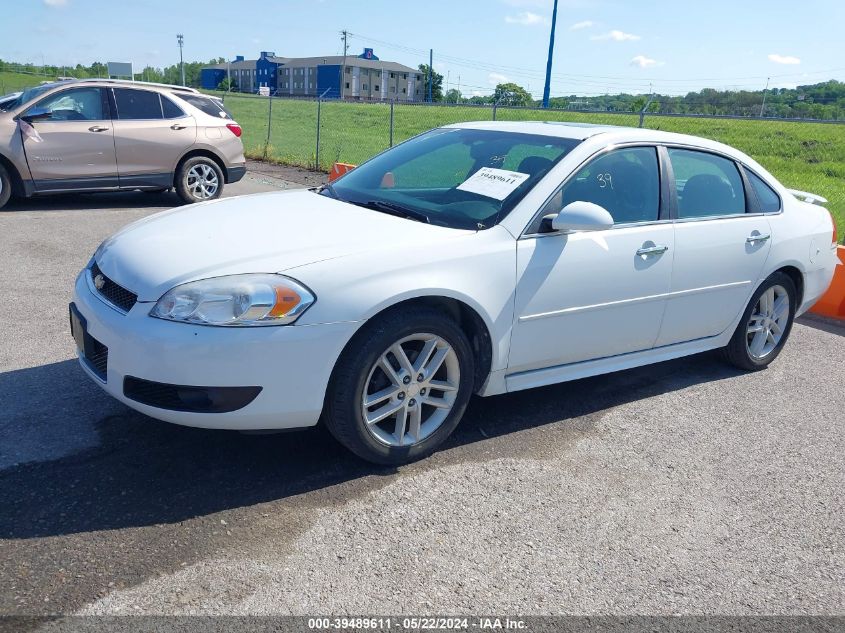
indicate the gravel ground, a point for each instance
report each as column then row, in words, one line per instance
column 682, row 488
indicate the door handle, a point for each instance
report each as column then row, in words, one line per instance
column 652, row 250
column 176, row 126
column 97, row 128
column 753, row 239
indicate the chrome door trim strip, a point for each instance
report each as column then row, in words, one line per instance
column 622, row 302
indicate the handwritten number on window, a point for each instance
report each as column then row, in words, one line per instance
column 605, row 180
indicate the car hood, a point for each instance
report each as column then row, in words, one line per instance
column 261, row 233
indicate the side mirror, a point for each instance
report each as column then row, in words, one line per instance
column 36, row 114
column 579, row 216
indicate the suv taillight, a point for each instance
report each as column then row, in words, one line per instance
column 235, row 128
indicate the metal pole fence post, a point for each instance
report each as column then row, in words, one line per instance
column 645, row 107
column 392, row 103
column 317, row 153
column 269, row 125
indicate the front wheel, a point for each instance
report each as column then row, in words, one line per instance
column 199, row 179
column 401, row 386
column 765, row 325
column 5, row 186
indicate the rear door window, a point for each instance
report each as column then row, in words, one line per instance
column 170, row 109
column 137, row 104
column 707, row 184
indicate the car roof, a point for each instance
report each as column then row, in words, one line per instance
column 577, row 131
column 610, row 134
column 121, row 82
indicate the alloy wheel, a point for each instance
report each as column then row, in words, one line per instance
column 410, row 390
column 202, row 181
column 768, row 322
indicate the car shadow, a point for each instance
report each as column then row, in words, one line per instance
column 93, row 464
column 825, row 324
column 94, row 201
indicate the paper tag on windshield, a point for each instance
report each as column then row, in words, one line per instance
column 493, row 183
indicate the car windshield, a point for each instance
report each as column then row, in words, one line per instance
column 456, row 177
column 28, row 95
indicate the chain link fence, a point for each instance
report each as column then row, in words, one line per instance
column 805, row 155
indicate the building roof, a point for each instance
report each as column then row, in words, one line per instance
column 337, row 60
column 244, row 64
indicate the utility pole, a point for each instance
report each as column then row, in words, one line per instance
column 181, row 40
column 765, row 90
column 344, row 35
column 547, row 90
column 430, row 74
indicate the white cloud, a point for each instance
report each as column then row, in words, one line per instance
column 581, row 25
column 497, row 78
column 783, row 59
column 617, row 36
column 526, row 18
column 645, row 62
column 55, row 3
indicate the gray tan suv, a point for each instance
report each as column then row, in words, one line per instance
column 109, row 135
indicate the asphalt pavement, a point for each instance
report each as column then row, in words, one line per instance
column 681, row 488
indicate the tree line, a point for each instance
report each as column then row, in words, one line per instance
column 825, row 100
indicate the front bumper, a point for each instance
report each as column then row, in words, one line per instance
column 291, row 364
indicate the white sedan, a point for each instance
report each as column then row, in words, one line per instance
column 479, row 258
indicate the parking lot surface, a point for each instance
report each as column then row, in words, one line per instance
column 684, row 487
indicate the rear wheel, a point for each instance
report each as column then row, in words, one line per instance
column 765, row 325
column 199, row 179
column 5, row 186
column 401, row 387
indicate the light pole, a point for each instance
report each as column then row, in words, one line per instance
column 547, row 90
column 181, row 40
column 765, row 90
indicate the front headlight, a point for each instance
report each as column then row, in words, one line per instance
column 236, row 300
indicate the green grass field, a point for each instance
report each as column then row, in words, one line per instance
column 13, row 82
column 805, row 156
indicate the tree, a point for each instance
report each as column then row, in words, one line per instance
column 453, row 95
column 226, row 85
column 512, row 94
column 437, row 87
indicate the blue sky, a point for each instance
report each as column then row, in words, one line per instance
column 602, row 46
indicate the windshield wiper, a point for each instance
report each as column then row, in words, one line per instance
column 395, row 209
column 328, row 187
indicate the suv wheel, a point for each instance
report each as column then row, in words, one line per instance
column 401, row 386
column 199, row 179
column 5, row 186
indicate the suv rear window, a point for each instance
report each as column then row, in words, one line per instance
column 211, row 107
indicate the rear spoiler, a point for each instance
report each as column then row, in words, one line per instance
column 812, row 198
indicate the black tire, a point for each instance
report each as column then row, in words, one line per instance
column 342, row 413
column 5, row 186
column 181, row 181
column 737, row 351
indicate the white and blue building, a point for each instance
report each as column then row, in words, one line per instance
column 362, row 77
